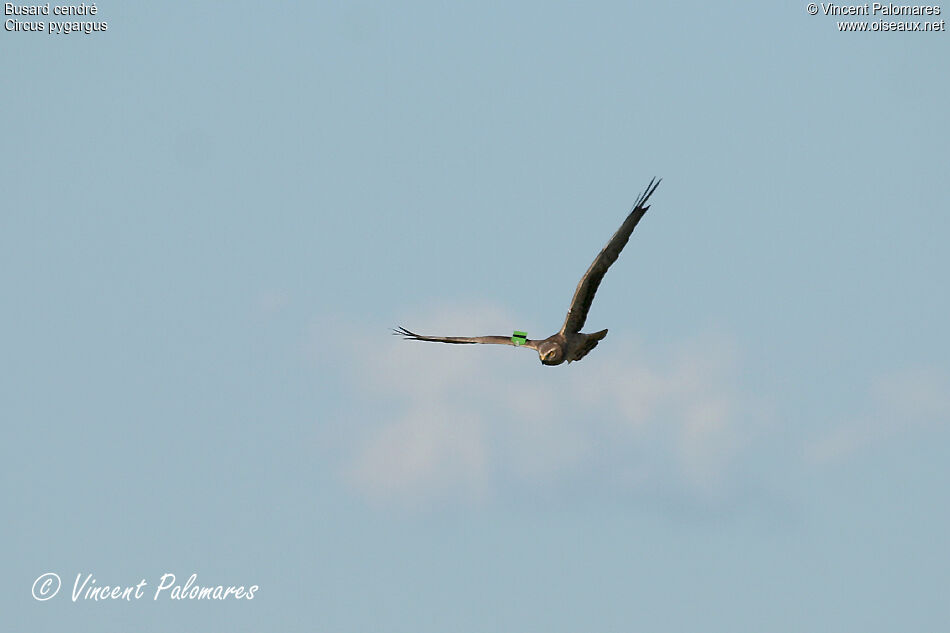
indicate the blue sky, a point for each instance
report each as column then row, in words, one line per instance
column 213, row 213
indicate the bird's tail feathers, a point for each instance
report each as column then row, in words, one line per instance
column 590, row 343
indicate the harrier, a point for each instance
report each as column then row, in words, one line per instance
column 570, row 343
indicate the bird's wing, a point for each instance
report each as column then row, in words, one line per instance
column 465, row 340
column 587, row 287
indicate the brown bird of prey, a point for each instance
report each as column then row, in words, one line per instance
column 570, row 343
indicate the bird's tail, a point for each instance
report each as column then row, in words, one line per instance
column 590, row 343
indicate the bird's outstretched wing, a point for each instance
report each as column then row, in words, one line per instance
column 465, row 340
column 587, row 287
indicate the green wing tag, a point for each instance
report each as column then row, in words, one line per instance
column 519, row 338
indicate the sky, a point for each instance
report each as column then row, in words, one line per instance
column 214, row 213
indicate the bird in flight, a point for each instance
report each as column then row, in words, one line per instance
column 570, row 343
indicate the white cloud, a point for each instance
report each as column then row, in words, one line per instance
column 475, row 421
column 902, row 402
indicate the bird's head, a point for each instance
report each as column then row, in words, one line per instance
column 550, row 353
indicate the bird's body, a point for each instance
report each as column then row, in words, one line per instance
column 569, row 344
